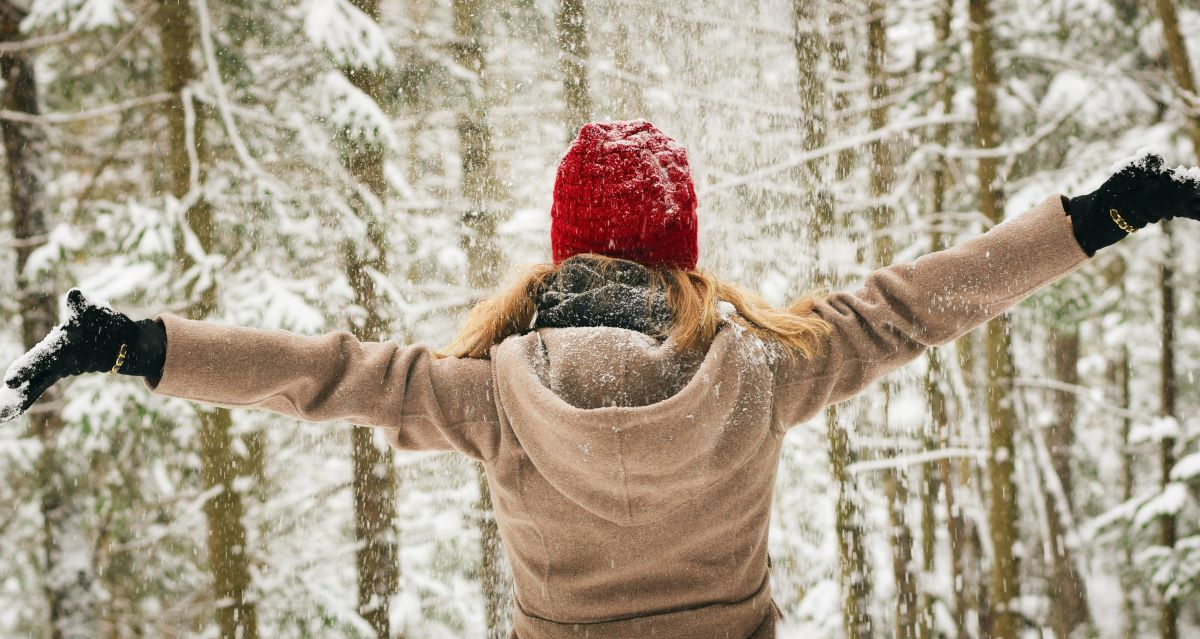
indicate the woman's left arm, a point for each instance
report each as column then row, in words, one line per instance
column 904, row 308
column 422, row 402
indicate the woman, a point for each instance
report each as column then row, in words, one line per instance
column 629, row 409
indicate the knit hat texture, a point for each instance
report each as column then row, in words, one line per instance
column 624, row 190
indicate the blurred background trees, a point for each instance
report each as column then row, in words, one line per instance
column 378, row 165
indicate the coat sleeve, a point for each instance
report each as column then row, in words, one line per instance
column 904, row 308
column 422, row 402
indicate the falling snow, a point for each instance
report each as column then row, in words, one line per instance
column 468, row 108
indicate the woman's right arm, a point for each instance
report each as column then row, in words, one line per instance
column 422, row 402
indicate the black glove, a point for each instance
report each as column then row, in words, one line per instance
column 1141, row 193
column 88, row 342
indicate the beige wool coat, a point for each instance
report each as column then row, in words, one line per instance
column 632, row 485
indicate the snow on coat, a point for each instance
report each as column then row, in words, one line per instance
column 632, row 484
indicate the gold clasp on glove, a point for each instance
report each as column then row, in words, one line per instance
column 120, row 360
column 1124, row 226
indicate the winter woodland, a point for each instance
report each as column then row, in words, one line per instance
column 379, row 165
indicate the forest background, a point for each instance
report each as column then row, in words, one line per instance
column 379, row 165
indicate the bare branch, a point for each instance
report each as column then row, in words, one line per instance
column 848, row 142
column 1082, row 392
column 17, row 46
column 90, row 114
column 23, row 242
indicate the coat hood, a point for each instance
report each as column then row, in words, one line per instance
column 630, row 427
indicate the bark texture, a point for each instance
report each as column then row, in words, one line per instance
column 374, row 485
column 1168, row 618
column 906, row 612
column 484, row 261
column 1118, row 380
column 1068, row 598
column 940, row 476
column 67, row 583
column 1004, row 583
column 227, row 553
column 1181, row 68
column 571, row 21
column 814, row 101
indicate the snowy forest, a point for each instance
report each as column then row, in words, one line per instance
column 378, row 166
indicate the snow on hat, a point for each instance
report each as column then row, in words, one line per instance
column 624, row 190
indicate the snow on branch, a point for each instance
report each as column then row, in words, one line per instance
column 353, row 112
column 350, row 36
column 79, row 15
column 1186, row 469
column 1165, row 504
column 218, row 86
column 925, row 457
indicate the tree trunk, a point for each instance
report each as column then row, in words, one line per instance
column 67, row 583
column 630, row 103
column 907, row 613
column 1118, row 375
column 1168, row 618
column 882, row 177
column 1181, row 68
column 814, row 105
column 939, row 435
column 375, row 529
column 1068, row 598
column 228, row 561
column 479, row 190
column 839, row 59
column 854, row 567
column 227, row 556
column 954, row 520
column 1002, row 504
column 928, row 495
column 572, row 40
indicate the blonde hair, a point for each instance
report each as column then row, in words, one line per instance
column 692, row 297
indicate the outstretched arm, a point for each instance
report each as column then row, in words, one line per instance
column 422, row 402
column 904, row 308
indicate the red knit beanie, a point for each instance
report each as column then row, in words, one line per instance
column 624, row 190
